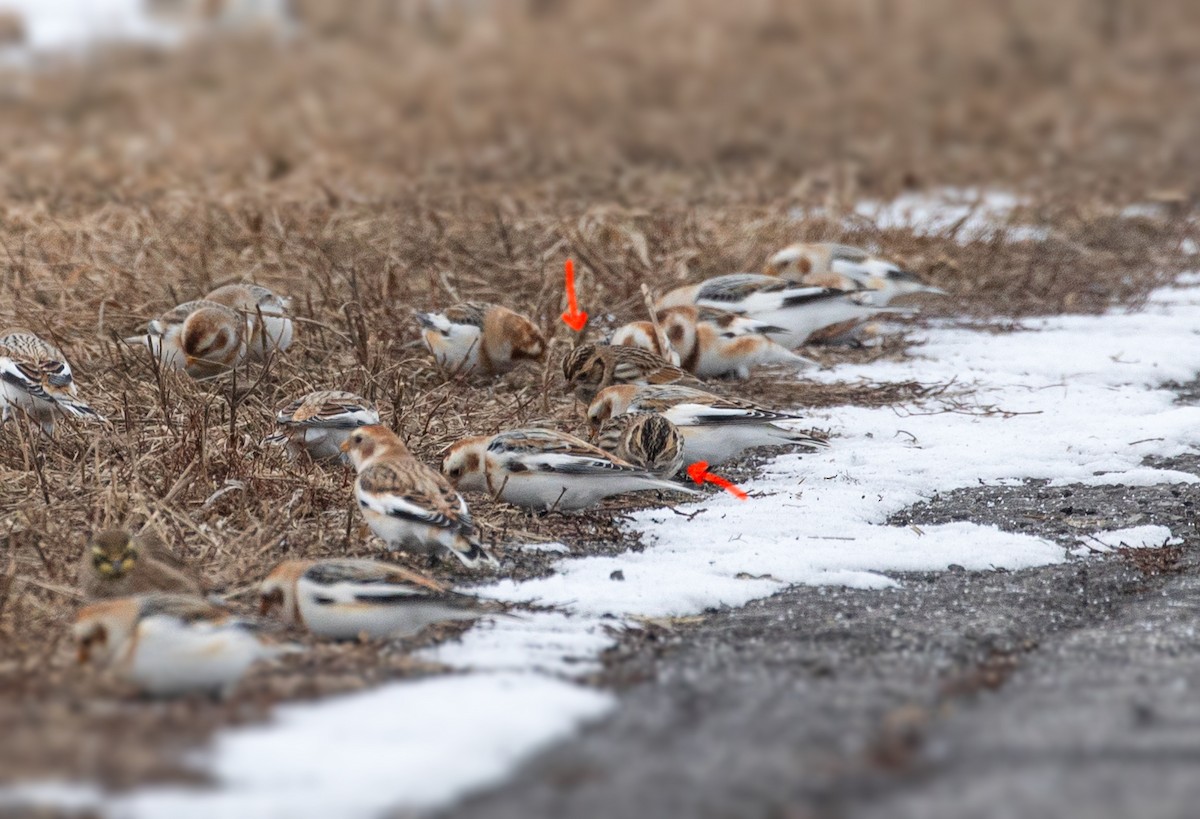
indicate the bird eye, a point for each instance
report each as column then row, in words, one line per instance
column 358, row 439
column 455, row 472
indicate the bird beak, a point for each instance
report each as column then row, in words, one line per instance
column 84, row 653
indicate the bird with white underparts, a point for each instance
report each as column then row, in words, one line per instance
column 545, row 470
column 798, row 311
column 203, row 338
column 826, row 264
column 407, row 504
column 714, row 429
column 479, row 338
column 269, row 329
column 319, row 422
column 171, row 644
column 717, row 344
column 36, row 381
column 345, row 598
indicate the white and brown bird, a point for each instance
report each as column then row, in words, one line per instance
column 268, row 327
column 826, row 264
column 116, row 564
column 475, row 337
column 36, row 381
column 798, row 311
column 202, row 338
column 320, row 422
column 642, row 334
column 344, row 598
column 170, row 644
column 717, row 344
column 645, row 439
column 407, row 504
column 590, row 368
column 545, row 469
column 714, row 429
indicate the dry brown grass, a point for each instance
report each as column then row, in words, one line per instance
column 403, row 158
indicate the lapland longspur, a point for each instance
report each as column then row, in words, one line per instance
column 645, row 439
column 589, row 368
column 116, row 564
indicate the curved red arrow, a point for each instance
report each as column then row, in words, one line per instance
column 574, row 317
column 699, row 473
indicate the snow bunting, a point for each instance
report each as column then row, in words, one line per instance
column 544, row 469
column 169, row 644
column 407, row 504
column 799, row 311
column 847, row 268
column 114, row 564
column 343, row 598
column 203, row 338
column 268, row 328
column 590, row 368
column 714, row 429
column 716, row 344
column 319, row 423
column 645, row 439
column 641, row 334
column 36, row 380
column 476, row 337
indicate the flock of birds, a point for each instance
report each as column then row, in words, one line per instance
column 147, row 618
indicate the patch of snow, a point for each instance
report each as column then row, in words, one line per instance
column 1134, row 537
column 972, row 214
column 54, row 25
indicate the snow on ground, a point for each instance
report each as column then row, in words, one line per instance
column 972, row 214
column 52, row 25
column 1135, row 537
column 1068, row 399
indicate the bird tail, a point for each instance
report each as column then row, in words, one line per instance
column 471, row 552
column 78, row 409
column 813, row 438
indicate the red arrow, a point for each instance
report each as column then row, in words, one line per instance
column 699, row 473
column 574, row 317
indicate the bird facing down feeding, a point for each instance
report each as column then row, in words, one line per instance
column 169, row 644
column 475, row 337
column 114, row 564
column 36, row 380
column 545, row 469
column 844, row 267
column 590, row 368
column 202, row 338
column 320, row 422
column 646, row 440
column 268, row 328
column 714, row 429
column 345, row 598
column 407, row 504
